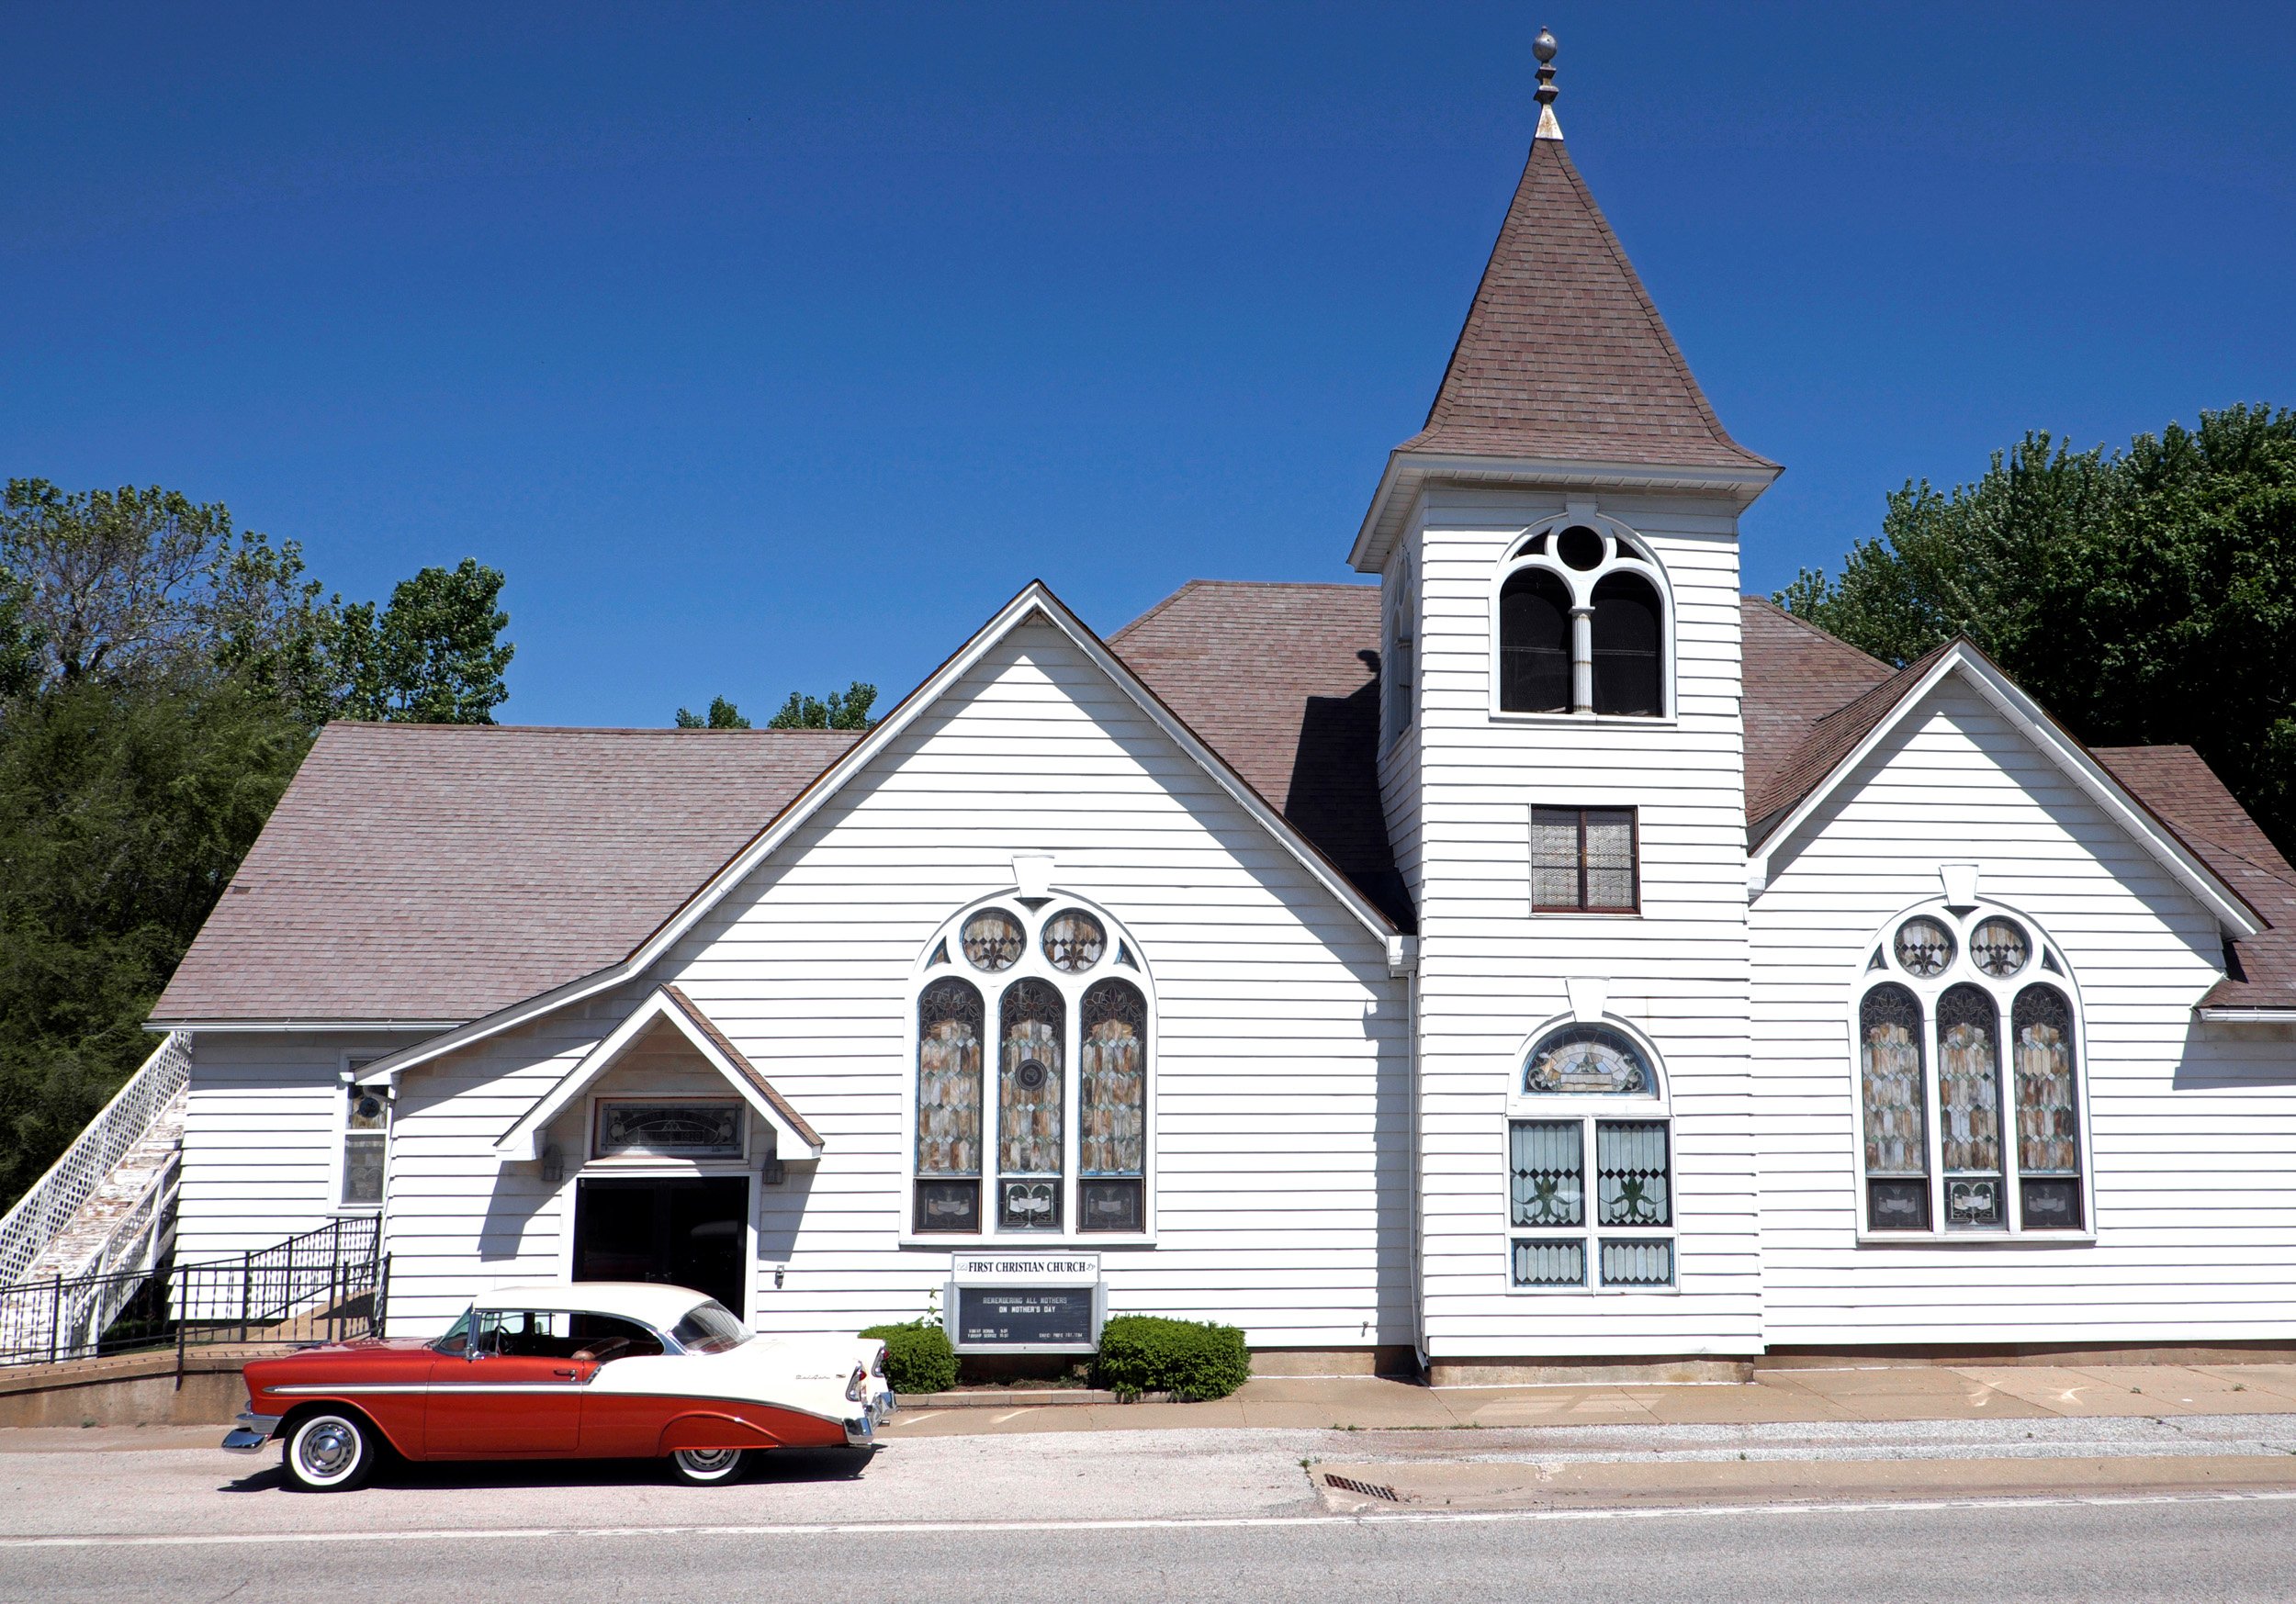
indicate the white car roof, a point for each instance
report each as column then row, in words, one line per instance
column 645, row 1301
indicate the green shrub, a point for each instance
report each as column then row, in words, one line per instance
column 1191, row 1361
column 918, row 1357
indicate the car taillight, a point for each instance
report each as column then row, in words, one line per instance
column 858, row 1386
column 877, row 1365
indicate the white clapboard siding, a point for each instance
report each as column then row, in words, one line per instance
column 1399, row 759
column 1490, row 972
column 1281, row 1120
column 262, row 1129
column 2194, row 1138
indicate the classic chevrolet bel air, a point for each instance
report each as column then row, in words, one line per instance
column 589, row 1369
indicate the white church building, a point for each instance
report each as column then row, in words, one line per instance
column 1537, row 955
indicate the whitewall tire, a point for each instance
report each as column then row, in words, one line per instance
column 707, row 1467
column 330, row 1451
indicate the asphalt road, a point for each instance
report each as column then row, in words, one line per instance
column 2214, row 1549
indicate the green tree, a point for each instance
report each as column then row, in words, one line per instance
column 845, row 710
column 2146, row 595
column 723, row 715
column 434, row 656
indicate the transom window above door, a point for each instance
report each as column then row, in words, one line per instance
column 1030, row 1114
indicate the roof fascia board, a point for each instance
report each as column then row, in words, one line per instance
column 255, row 1027
column 1408, row 471
column 1036, row 597
column 2246, row 1015
column 2068, row 754
column 523, row 1140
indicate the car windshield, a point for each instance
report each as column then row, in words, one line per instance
column 709, row 1327
column 456, row 1335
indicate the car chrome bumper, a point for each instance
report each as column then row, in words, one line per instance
column 252, row 1433
column 861, row 1431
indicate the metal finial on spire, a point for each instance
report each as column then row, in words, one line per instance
column 1543, row 47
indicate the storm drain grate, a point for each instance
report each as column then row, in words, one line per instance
column 1368, row 1490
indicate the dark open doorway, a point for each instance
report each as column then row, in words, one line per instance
column 683, row 1232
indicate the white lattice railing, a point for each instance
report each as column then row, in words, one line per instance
column 71, row 1180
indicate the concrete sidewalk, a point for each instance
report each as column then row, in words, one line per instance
column 1784, row 1397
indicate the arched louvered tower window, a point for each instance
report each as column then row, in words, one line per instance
column 1582, row 624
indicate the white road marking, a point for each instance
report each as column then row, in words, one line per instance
column 1167, row 1523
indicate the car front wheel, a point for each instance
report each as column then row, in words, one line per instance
column 706, row 1467
column 330, row 1453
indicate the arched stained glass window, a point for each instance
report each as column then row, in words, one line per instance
column 1895, row 1094
column 949, row 1021
column 1029, row 1106
column 1535, row 642
column 2048, row 1116
column 1627, row 645
column 1111, row 1107
column 1969, row 1107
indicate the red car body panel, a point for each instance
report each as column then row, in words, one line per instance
column 434, row 1406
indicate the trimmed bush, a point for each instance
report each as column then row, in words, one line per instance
column 1191, row 1361
column 918, row 1357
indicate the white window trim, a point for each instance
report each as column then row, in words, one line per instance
column 1071, row 988
column 1588, row 1108
column 1961, row 921
column 347, row 1068
column 1628, row 546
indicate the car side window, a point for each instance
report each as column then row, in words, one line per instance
column 528, row 1333
column 609, row 1337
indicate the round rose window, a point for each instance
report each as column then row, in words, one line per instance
column 1074, row 941
column 1998, row 947
column 1925, row 947
column 992, row 940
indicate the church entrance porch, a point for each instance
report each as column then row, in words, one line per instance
column 682, row 1231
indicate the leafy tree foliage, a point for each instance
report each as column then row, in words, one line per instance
column 161, row 675
column 2146, row 595
column 723, row 715
column 845, row 710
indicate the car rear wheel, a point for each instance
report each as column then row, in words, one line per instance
column 330, row 1453
column 707, row 1467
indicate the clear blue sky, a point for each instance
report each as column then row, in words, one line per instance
column 773, row 346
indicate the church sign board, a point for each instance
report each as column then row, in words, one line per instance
column 1025, row 1303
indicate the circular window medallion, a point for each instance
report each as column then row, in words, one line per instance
column 1998, row 947
column 1031, row 1075
column 1925, row 947
column 1074, row 941
column 992, row 940
column 1580, row 546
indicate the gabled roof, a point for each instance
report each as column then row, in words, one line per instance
column 428, row 873
column 2176, row 783
column 1035, row 601
column 669, row 1006
column 1842, row 739
column 1795, row 674
column 1562, row 354
column 1283, row 681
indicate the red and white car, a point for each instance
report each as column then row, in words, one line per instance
column 587, row 1370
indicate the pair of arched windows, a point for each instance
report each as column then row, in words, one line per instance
column 1958, row 1135
column 1581, row 626
column 1071, row 1034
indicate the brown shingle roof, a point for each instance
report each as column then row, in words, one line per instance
column 1562, row 354
column 1795, row 674
column 1282, row 680
column 2183, row 791
column 1830, row 738
column 421, row 872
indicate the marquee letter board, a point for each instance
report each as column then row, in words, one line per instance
column 1025, row 1303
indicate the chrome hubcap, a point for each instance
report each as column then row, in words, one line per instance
column 327, row 1450
column 708, row 1459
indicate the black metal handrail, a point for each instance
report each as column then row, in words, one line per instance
column 324, row 1285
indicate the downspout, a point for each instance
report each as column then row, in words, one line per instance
column 1403, row 959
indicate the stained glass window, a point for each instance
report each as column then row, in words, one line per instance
column 1028, row 1092
column 1112, row 1081
column 687, row 1130
column 1969, row 1080
column 1074, row 941
column 1630, row 1174
column 1637, row 1264
column 949, row 1079
column 1588, row 1058
column 2048, row 1118
column 1582, row 860
column 1925, row 947
column 1896, row 1096
column 992, row 940
column 1548, row 1158
column 366, row 1141
column 1998, row 947
column 1550, row 1264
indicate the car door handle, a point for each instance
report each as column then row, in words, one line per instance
column 565, row 1373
